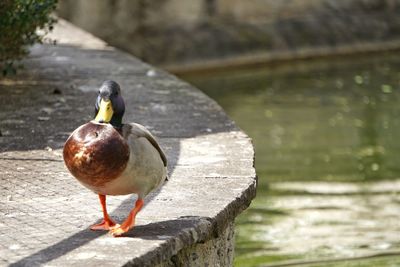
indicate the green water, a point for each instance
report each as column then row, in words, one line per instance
column 327, row 138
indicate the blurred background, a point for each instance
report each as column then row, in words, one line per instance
column 171, row 33
column 316, row 84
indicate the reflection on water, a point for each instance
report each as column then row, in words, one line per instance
column 327, row 143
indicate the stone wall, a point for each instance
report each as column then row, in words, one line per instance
column 217, row 251
column 176, row 32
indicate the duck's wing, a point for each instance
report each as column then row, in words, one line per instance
column 141, row 131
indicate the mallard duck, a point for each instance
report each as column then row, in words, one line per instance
column 112, row 158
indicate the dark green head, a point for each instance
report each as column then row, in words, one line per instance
column 110, row 106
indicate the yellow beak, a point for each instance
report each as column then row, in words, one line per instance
column 105, row 111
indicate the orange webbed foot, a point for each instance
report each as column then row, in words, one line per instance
column 129, row 223
column 104, row 225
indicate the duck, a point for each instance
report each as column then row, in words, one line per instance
column 111, row 158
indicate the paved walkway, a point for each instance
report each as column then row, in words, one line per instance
column 45, row 213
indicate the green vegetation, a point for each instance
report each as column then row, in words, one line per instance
column 19, row 21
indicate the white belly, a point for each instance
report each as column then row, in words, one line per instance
column 144, row 172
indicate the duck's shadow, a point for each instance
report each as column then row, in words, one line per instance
column 164, row 229
column 153, row 231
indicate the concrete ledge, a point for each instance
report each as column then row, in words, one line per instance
column 45, row 213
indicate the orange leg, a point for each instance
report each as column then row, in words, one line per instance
column 107, row 223
column 130, row 221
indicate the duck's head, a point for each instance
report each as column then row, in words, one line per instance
column 110, row 106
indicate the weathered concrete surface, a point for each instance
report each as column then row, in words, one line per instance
column 45, row 213
column 203, row 32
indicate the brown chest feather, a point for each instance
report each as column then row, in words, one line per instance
column 96, row 153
